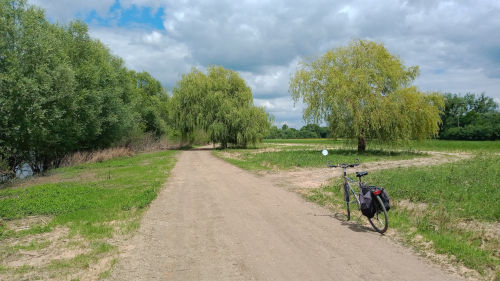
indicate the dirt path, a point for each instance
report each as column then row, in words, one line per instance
column 315, row 177
column 213, row 221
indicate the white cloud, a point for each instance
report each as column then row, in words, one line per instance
column 154, row 37
column 270, row 81
column 64, row 11
column 284, row 110
column 154, row 52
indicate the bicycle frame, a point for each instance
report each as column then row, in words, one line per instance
column 347, row 182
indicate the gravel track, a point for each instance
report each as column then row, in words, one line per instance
column 214, row 221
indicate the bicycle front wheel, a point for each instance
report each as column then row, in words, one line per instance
column 379, row 222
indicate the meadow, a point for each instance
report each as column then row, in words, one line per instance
column 304, row 156
column 82, row 209
column 426, row 145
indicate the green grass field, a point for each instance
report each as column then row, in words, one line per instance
column 455, row 206
column 432, row 145
column 303, row 156
column 94, row 202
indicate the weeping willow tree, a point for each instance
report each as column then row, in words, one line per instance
column 363, row 92
column 221, row 104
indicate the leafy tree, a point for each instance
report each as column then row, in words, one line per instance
column 221, row 104
column 364, row 92
column 186, row 108
column 470, row 117
column 150, row 100
column 35, row 84
column 61, row 91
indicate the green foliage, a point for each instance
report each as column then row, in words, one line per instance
column 306, row 132
column 186, row 107
column 470, row 118
column 364, row 92
column 61, row 91
column 219, row 103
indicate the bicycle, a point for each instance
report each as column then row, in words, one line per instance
column 379, row 221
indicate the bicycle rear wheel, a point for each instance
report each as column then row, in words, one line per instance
column 347, row 201
column 379, row 222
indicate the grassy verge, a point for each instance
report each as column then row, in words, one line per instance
column 300, row 156
column 452, row 208
column 80, row 209
column 433, row 145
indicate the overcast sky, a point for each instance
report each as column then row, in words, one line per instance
column 456, row 44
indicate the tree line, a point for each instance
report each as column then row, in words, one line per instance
column 470, row 117
column 62, row 91
column 467, row 117
column 305, row 132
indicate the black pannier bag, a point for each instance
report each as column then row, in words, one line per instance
column 367, row 205
column 385, row 199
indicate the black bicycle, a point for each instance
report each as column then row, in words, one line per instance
column 379, row 220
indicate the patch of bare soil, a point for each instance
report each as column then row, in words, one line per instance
column 52, row 247
column 316, row 177
column 267, row 149
column 412, row 206
column 231, row 155
column 31, row 257
column 26, row 223
column 489, row 230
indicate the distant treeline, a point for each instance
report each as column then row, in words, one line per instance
column 467, row 117
column 307, row 131
column 470, row 117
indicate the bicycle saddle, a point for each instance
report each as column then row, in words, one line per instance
column 360, row 174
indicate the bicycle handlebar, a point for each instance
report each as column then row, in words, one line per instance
column 344, row 165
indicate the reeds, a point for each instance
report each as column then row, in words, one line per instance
column 81, row 157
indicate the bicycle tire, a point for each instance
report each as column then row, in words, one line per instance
column 379, row 222
column 347, row 201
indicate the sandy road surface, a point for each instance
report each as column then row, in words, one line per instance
column 213, row 221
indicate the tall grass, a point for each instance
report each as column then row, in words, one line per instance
column 81, row 157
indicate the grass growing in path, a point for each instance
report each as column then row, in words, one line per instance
column 299, row 157
column 94, row 202
column 454, row 206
